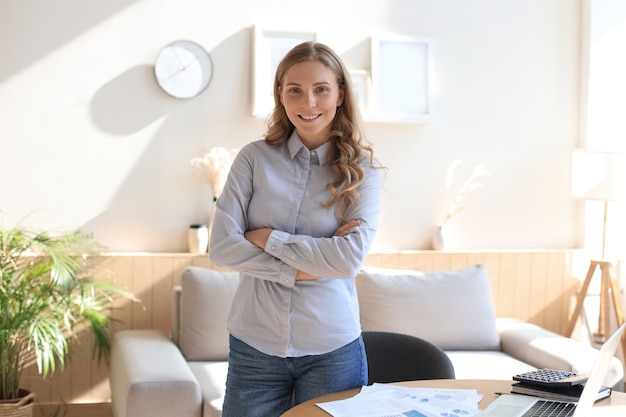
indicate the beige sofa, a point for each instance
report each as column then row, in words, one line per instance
column 184, row 375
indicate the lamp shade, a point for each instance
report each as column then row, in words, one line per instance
column 599, row 175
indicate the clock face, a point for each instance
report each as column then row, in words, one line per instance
column 183, row 69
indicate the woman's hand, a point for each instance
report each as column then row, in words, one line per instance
column 258, row 237
column 303, row 276
column 346, row 228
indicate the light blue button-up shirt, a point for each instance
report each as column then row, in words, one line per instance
column 281, row 187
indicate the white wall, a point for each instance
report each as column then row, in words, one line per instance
column 87, row 139
column 605, row 129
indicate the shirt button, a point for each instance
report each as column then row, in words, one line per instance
column 273, row 247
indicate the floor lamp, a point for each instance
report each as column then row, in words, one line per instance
column 600, row 176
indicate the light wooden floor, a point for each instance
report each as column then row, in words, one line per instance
column 75, row 410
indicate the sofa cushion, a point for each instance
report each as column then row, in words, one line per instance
column 486, row 364
column 211, row 377
column 451, row 309
column 205, row 301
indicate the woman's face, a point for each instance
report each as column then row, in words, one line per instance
column 311, row 95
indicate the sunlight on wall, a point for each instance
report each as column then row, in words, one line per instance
column 607, row 89
column 605, row 128
column 607, row 85
column 615, row 229
column 88, row 140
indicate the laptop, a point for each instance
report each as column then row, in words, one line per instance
column 518, row 405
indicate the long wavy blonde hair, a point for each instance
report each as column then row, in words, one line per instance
column 347, row 133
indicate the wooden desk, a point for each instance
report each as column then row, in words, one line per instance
column 615, row 405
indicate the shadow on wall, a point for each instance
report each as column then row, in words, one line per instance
column 130, row 102
column 37, row 27
column 160, row 197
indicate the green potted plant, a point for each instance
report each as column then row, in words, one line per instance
column 46, row 297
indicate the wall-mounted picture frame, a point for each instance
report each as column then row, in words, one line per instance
column 401, row 78
column 270, row 46
column 361, row 82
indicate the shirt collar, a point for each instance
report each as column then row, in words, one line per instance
column 295, row 145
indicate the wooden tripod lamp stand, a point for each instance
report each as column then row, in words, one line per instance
column 600, row 176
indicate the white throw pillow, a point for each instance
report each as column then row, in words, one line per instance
column 452, row 309
column 205, row 301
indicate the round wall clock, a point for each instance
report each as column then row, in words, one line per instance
column 183, row 69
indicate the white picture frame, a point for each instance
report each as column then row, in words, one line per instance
column 401, row 78
column 270, row 46
column 361, row 82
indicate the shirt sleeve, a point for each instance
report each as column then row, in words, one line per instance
column 334, row 257
column 229, row 247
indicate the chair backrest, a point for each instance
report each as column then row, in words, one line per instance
column 395, row 357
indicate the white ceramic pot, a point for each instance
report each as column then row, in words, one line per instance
column 441, row 237
column 198, row 238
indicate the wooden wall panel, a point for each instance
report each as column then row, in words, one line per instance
column 537, row 286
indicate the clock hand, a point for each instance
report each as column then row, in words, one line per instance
column 180, row 62
column 183, row 67
column 195, row 58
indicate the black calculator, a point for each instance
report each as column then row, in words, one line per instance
column 551, row 378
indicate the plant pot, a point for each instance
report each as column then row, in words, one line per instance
column 198, row 238
column 20, row 407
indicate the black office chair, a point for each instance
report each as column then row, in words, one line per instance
column 395, row 357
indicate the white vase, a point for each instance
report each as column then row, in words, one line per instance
column 441, row 237
column 198, row 238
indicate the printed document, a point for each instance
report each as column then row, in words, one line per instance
column 382, row 400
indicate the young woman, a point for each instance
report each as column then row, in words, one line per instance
column 296, row 219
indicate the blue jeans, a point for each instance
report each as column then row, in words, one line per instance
column 260, row 385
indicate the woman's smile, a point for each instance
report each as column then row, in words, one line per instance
column 311, row 117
